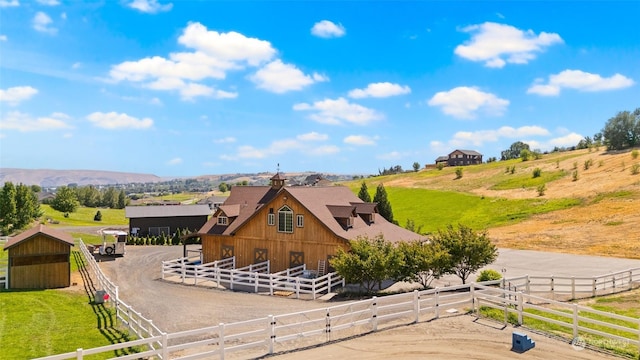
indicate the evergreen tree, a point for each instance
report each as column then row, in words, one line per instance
column 384, row 206
column 27, row 206
column 363, row 194
column 122, row 200
column 7, row 207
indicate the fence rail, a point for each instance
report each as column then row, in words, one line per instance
column 255, row 277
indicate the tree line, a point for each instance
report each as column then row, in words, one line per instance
column 19, row 206
column 67, row 199
column 458, row 251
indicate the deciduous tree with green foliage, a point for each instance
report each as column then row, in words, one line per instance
column 513, row 152
column 65, row 200
column 363, row 194
column 384, row 206
column 27, row 206
column 7, row 207
column 469, row 251
column 422, row 262
column 416, row 166
column 622, row 131
column 369, row 263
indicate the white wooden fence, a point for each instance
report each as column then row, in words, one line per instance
column 4, row 265
column 255, row 277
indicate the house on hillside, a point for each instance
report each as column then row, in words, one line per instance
column 39, row 258
column 213, row 202
column 290, row 226
column 165, row 219
column 461, row 158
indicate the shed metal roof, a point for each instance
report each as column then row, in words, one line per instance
column 40, row 229
column 134, row 212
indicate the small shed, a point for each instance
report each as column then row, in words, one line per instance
column 39, row 258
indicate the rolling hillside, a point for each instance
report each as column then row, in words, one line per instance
column 594, row 212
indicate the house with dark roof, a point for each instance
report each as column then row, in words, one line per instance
column 461, row 158
column 291, row 226
column 39, row 258
column 165, row 219
column 213, row 201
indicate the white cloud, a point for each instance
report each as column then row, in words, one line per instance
column 312, row 136
column 15, row 120
column 339, row 111
column 214, row 55
column 380, row 90
column 14, row 95
column 226, row 140
column 9, row 3
column 359, row 140
column 279, row 77
column 155, row 101
column 4, row 38
column 41, row 22
column 63, row 16
column 49, row 2
column 499, row 44
column 578, row 80
column 478, row 138
column 76, row 65
column 465, row 102
column 327, row 29
column 565, row 141
column 393, row 155
column 149, row 6
column 114, row 121
column 324, row 150
column 174, row 161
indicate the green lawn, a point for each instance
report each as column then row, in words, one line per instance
column 436, row 209
column 83, row 216
column 47, row 322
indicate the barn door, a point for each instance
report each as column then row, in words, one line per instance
column 227, row 251
column 296, row 259
column 259, row 255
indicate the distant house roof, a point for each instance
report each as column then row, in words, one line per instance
column 467, row 152
column 442, row 158
column 40, row 229
column 213, row 200
column 134, row 212
column 325, row 203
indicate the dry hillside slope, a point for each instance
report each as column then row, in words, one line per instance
column 607, row 223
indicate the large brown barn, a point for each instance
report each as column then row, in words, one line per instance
column 291, row 226
column 39, row 258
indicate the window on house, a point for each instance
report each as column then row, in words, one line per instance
column 271, row 219
column 285, row 220
column 300, row 220
column 223, row 220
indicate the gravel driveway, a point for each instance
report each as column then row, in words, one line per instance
column 175, row 307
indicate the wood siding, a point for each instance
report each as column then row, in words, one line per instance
column 174, row 223
column 40, row 263
column 314, row 240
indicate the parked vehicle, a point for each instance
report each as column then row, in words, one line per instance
column 113, row 248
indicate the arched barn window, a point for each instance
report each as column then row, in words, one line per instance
column 285, row 219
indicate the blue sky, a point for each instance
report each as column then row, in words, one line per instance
column 186, row 88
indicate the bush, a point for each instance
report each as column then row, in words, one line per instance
column 635, row 169
column 440, row 166
column 575, row 175
column 459, row 173
column 634, row 154
column 537, row 172
column 98, row 216
column 488, row 275
column 541, row 189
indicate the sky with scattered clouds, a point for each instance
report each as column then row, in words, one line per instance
column 187, row 88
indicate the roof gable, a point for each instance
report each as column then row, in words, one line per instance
column 40, row 229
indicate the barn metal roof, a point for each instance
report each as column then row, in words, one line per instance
column 40, row 229
column 134, row 212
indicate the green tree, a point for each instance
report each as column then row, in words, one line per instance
column 223, row 187
column 513, row 152
column 411, row 226
column 384, row 206
column 469, row 251
column 122, row 200
column 97, row 216
column 65, row 200
column 27, row 206
column 622, row 131
column 369, row 263
column 7, row 207
column 363, row 194
column 416, row 166
column 526, row 154
column 110, row 198
column 459, row 173
column 422, row 262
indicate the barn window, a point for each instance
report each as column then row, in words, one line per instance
column 223, row 220
column 159, row 230
column 271, row 219
column 285, row 219
column 300, row 220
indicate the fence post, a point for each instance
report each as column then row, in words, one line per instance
column 528, row 285
column 520, row 308
column 575, row 321
column 297, row 288
column 553, row 291
column 437, row 302
column 165, row 345
column 472, row 292
column 257, row 281
column 374, row 314
column 270, row 284
column 630, row 280
column 329, row 283
column 416, row 305
column 232, row 275
column 184, row 270
column 327, row 326
column 268, row 266
column 79, row 353
column 594, row 286
column 272, row 333
column 163, row 266
column 573, row 288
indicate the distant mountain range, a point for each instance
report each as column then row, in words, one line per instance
column 51, row 178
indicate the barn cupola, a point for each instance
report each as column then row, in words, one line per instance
column 277, row 181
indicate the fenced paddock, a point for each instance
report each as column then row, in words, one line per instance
column 253, row 278
column 280, row 333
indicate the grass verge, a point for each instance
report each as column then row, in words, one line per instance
column 83, row 216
